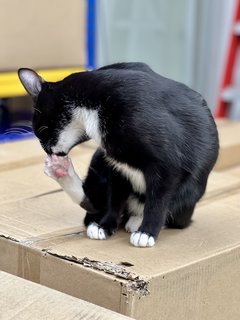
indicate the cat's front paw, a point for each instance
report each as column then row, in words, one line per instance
column 94, row 231
column 141, row 239
column 58, row 167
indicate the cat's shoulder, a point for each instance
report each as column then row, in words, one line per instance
column 134, row 66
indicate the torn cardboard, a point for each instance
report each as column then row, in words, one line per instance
column 43, row 303
column 196, row 269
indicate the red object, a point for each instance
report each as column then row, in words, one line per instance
column 223, row 106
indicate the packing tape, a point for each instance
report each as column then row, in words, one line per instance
column 29, row 263
column 31, row 251
column 53, row 237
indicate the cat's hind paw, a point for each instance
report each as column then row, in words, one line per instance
column 141, row 239
column 94, row 231
column 133, row 224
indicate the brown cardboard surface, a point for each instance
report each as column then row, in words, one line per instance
column 21, row 171
column 223, row 122
column 233, row 171
column 196, row 269
column 28, row 152
column 22, row 299
column 20, row 153
column 229, row 138
column 46, row 34
column 219, row 185
column 30, row 181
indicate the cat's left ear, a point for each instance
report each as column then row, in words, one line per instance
column 31, row 81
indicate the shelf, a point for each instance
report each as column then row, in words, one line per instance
column 10, row 86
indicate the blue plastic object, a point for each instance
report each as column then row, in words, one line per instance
column 91, row 34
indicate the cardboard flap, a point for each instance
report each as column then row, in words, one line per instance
column 22, row 299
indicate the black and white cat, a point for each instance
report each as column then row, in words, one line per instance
column 157, row 145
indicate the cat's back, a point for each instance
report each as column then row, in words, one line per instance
column 140, row 82
column 127, row 85
column 131, row 77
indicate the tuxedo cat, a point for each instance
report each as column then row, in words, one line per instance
column 157, row 145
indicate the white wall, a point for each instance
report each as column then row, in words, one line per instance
column 182, row 39
column 151, row 31
column 213, row 22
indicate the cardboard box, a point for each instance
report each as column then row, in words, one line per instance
column 196, row 270
column 43, row 34
column 229, row 137
column 43, row 303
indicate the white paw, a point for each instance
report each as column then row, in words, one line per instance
column 94, row 231
column 58, row 167
column 133, row 223
column 141, row 239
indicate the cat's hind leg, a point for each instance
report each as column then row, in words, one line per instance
column 96, row 232
column 184, row 202
column 118, row 190
column 133, row 223
column 134, row 208
column 92, row 217
column 180, row 218
column 160, row 187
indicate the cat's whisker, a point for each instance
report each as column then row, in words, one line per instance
column 42, row 128
column 27, row 126
column 37, row 110
column 11, row 130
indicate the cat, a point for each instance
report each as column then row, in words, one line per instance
column 157, row 143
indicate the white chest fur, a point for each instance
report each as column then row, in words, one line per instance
column 89, row 120
column 83, row 121
column 135, row 176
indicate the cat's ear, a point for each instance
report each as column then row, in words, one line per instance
column 31, row 81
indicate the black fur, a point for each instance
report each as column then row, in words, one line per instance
column 154, row 124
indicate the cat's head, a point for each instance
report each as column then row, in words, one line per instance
column 54, row 117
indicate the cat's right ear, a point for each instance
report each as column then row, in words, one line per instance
column 31, row 81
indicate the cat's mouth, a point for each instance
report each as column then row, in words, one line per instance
column 61, row 154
